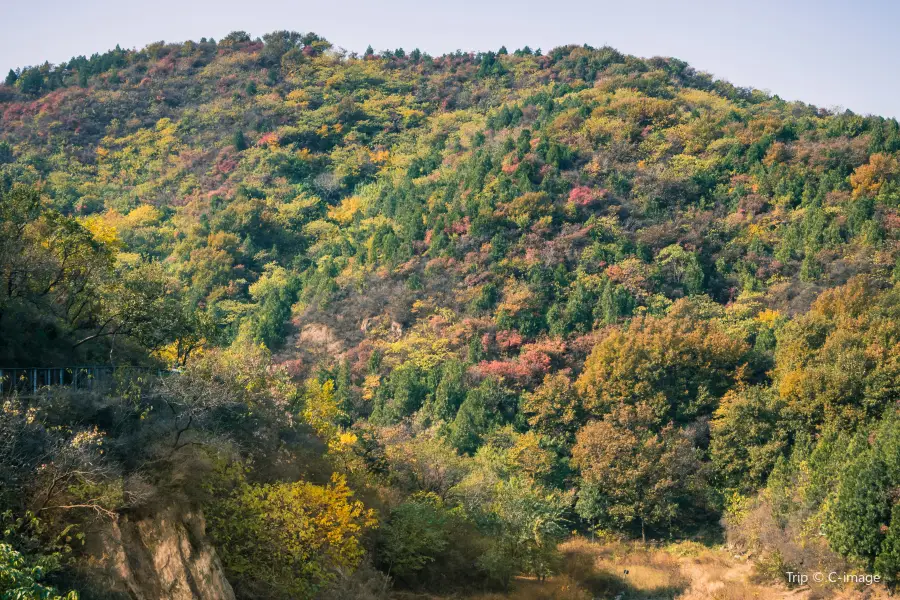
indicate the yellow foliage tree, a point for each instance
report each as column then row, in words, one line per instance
column 285, row 540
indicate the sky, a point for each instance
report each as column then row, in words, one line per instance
column 828, row 53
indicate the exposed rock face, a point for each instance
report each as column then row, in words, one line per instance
column 163, row 556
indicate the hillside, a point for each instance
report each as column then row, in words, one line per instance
column 430, row 315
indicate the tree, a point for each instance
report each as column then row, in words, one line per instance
column 747, row 437
column 554, row 409
column 239, row 141
column 403, row 394
column 54, row 270
column 449, row 394
column 322, row 411
column 472, row 422
column 631, row 474
column 483, row 408
column 285, row 540
column 344, row 395
column 678, row 366
column 888, row 561
column 30, row 81
column 614, row 302
column 277, row 44
column 831, row 363
column 577, row 314
column 868, row 179
column 680, row 269
column 531, row 525
column 20, row 580
column 235, row 38
column 416, row 534
column 537, row 463
column 861, row 509
column 11, row 78
column 61, row 278
column 274, row 293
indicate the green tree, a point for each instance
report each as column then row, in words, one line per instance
column 344, row 395
column 472, row 422
column 531, row 524
column 20, row 580
column 274, row 293
column 748, row 435
column 484, row 407
column 888, row 561
column 30, row 81
column 861, row 509
column 415, row 535
column 239, row 141
column 450, row 392
column 680, row 269
column 634, row 475
column 6, row 153
column 285, row 540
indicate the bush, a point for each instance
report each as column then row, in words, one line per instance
column 416, row 535
column 285, row 540
column 19, row 580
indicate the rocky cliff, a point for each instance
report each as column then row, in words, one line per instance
column 165, row 555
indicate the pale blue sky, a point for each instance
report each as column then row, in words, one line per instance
column 824, row 52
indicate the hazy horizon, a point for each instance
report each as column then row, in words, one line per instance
column 809, row 51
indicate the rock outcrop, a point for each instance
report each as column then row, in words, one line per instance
column 166, row 555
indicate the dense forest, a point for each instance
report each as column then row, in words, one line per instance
column 422, row 319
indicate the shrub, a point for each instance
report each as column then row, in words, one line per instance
column 285, row 540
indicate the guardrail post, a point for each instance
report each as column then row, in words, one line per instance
column 21, row 379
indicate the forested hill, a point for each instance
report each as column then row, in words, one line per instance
column 565, row 276
column 538, row 194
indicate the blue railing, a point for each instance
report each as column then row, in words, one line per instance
column 29, row 380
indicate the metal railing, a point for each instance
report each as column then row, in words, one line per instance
column 29, row 380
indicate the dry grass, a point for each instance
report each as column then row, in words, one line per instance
column 682, row 571
column 610, row 569
column 559, row 588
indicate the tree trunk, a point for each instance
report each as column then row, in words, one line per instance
column 643, row 535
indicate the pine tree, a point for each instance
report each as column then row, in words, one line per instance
column 860, row 509
column 30, row 81
column 343, row 393
column 470, row 424
column 888, row 562
column 239, row 141
column 450, row 392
